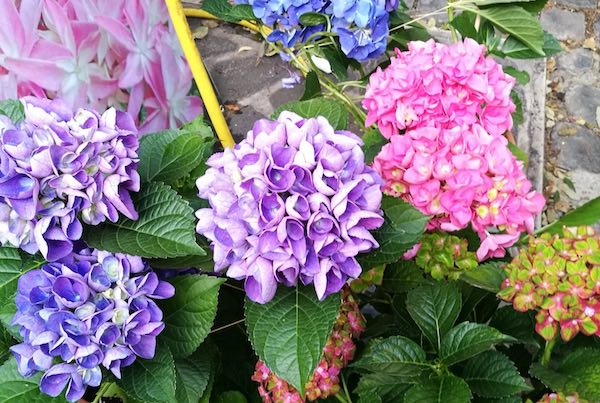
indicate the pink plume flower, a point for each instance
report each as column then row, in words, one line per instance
column 461, row 176
column 434, row 84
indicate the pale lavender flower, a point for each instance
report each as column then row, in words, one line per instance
column 293, row 201
column 91, row 310
column 59, row 168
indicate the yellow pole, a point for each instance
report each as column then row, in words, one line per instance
column 207, row 92
column 198, row 13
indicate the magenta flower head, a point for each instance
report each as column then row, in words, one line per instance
column 434, row 84
column 59, row 168
column 92, row 310
column 293, row 201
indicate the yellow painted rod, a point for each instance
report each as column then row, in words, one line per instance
column 207, row 92
column 198, row 13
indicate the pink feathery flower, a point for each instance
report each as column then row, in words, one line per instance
column 434, row 84
column 460, row 176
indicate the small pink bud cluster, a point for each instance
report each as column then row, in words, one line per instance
column 560, row 277
column 338, row 351
column 561, row 398
column 368, row 278
column 433, row 84
column 462, row 176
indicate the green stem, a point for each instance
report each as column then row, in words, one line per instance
column 346, row 392
column 100, row 394
column 341, row 398
column 548, row 352
column 450, row 18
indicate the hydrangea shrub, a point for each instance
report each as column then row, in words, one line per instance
column 375, row 241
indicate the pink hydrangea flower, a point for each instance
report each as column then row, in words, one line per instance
column 434, row 84
column 460, row 176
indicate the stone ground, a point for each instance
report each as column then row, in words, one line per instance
column 561, row 131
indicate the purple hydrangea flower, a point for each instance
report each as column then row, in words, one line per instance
column 59, row 168
column 292, row 202
column 91, row 310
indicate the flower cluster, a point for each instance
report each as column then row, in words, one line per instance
column 444, row 256
column 561, row 398
column 94, row 309
column 57, row 167
column 338, row 352
column 368, row 278
column 362, row 25
column 434, row 84
column 560, row 277
column 294, row 200
column 462, row 176
column 97, row 54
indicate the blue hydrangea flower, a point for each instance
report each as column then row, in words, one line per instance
column 59, row 168
column 94, row 309
column 367, row 42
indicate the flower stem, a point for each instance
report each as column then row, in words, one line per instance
column 348, row 398
column 548, row 352
column 237, row 322
column 450, row 18
column 100, row 394
column 340, row 398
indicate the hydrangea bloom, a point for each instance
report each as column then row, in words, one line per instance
column 560, row 278
column 362, row 25
column 446, row 86
column 94, row 309
column 97, row 53
column 561, row 398
column 294, row 200
column 338, row 352
column 444, row 256
column 59, row 168
column 462, row 176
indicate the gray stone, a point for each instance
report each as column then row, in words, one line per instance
column 577, row 3
column 586, row 185
column 564, row 24
column 577, row 61
column 597, row 28
column 242, row 75
column 582, row 101
column 578, row 147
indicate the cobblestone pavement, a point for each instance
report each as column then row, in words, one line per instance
column 572, row 174
column 569, row 165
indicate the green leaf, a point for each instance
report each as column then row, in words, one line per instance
column 310, row 19
column 521, row 76
column 13, row 109
column 10, row 270
column 289, row 332
column 402, row 276
column 333, row 111
column 443, row 389
column 465, row 24
column 492, row 2
column 193, row 373
column 519, row 325
column 396, row 355
column 469, row 339
column 587, row 214
column 380, row 388
column 434, row 308
column 517, row 115
column 487, row 276
column 185, row 262
column 492, row 374
column 165, row 227
column 231, row 396
column 338, row 60
column 172, row 154
column 14, row 388
column 373, row 143
column 240, row 12
column 189, row 315
column 221, row 9
column 518, row 153
column 512, row 47
column 533, row 6
column 401, row 230
column 6, row 341
column 150, row 381
column 578, row 371
column 312, row 87
column 518, row 23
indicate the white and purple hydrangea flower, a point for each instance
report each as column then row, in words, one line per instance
column 293, row 202
column 59, row 168
column 94, row 309
column 362, row 25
